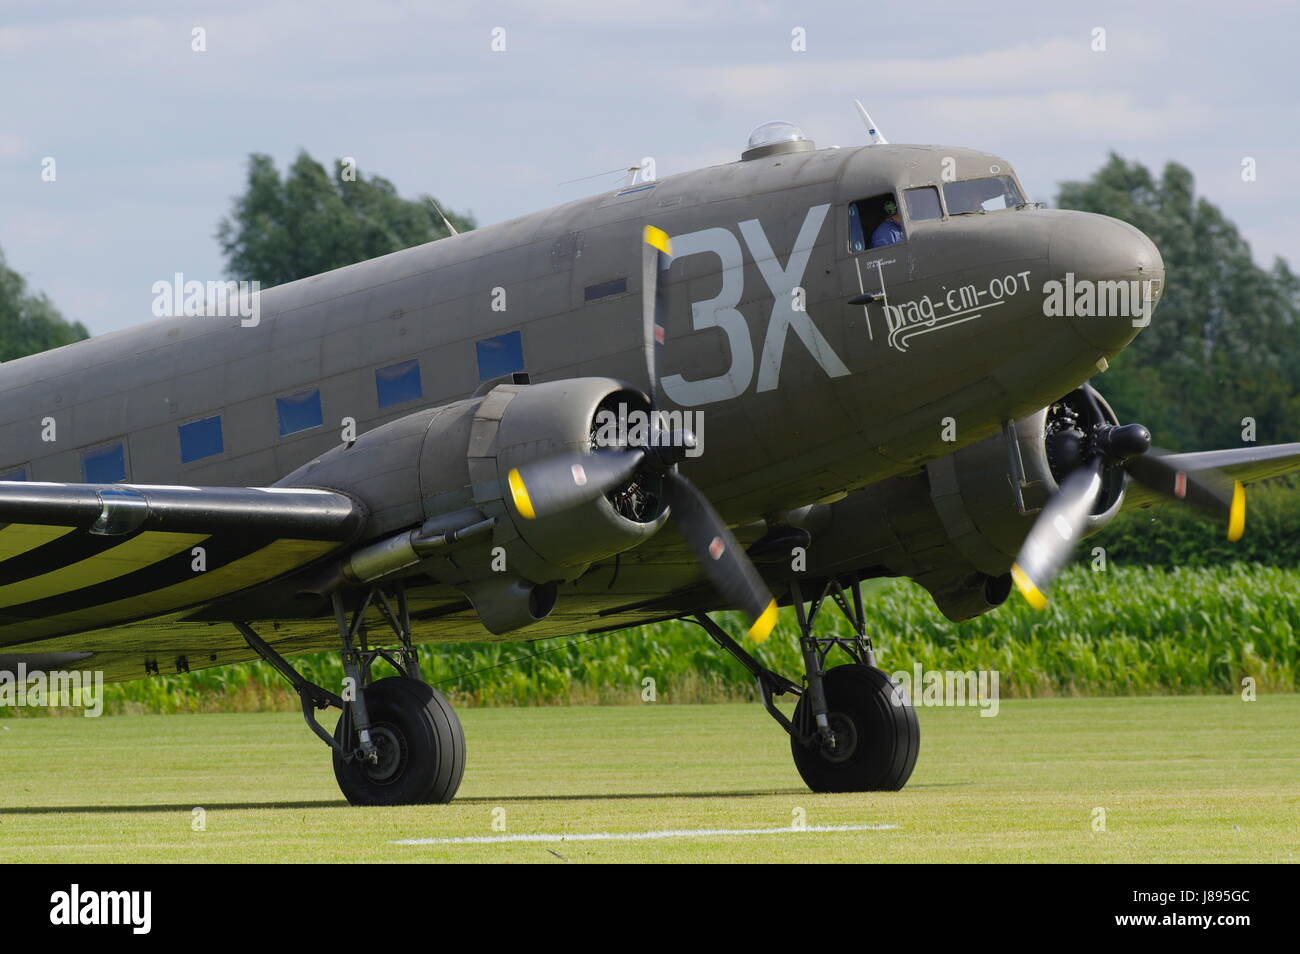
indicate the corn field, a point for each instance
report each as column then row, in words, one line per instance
column 1123, row 631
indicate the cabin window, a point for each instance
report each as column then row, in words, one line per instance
column 868, row 215
column 601, row 290
column 104, row 465
column 398, row 383
column 18, row 473
column 500, row 356
column 299, row 412
column 990, row 194
column 922, row 204
column 200, row 439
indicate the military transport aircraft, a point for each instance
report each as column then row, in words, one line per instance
column 832, row 364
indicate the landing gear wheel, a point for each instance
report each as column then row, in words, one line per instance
column 876, row 732
column 420, row 743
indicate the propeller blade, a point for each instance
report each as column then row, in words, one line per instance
column 1210, row 491
column 655, row 253
column 555, row 484
column 1054, row 534
column 723, row 559
column 1093, row 398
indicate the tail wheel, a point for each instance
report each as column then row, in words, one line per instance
column 876, row 733
column 420, row 744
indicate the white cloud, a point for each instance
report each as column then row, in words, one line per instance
column 1062, row 115
column 11, row 145
column 1050, row 64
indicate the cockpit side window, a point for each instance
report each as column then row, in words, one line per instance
column 872, row 224
column 990, row 194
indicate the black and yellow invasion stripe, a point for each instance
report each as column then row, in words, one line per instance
column 59, row 578
column 144, row 575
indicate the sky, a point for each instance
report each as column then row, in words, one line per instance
column 150, row 138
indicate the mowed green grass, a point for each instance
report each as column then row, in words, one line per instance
column 1181, row 779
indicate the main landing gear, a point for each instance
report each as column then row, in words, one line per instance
column 854, row 729
column 398, row 741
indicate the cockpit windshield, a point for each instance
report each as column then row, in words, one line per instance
column 982, row 195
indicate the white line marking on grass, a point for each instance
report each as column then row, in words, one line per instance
column 642, row 835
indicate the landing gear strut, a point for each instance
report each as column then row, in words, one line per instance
column 398, row 741
column 854, row 729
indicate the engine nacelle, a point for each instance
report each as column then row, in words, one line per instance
column 443, row 470
column 957, row 526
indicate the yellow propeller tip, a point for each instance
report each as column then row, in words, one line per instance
column 523, row 503
column 1032, row 594
column 1237, row 512
column 659, row 239
column 762, row 627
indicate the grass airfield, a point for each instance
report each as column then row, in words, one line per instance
column 1181, row 779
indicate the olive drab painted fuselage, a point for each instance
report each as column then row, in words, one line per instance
column 804, row 397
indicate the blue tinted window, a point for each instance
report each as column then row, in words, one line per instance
column 398, row 383
column 18, row 473
column 604, row 289
column 104, row 465
column 500, row 355
column 299, row 412
column 201, row 439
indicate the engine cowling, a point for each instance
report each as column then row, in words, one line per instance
column 445, row 469
column 956, row 526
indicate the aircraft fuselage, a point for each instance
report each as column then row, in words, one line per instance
column 804, row 396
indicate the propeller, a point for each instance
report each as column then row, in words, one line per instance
column 656, row 250
column 557, row 483
column 1064, row 519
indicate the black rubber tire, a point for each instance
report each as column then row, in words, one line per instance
column 422, row 747
column 877, row 721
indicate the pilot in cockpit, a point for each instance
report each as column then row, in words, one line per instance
column 890, row 231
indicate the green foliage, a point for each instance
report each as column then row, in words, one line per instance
column 1222, row 345
column 29, row 323
column 1125, row 631
column 310, row 222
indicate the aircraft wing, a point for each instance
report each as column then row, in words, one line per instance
column 1246, row 464
column 79, row 556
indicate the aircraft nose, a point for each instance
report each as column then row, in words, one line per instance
column 1109, row 275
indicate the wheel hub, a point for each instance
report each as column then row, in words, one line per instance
column 845, row 734
column 390, row 755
